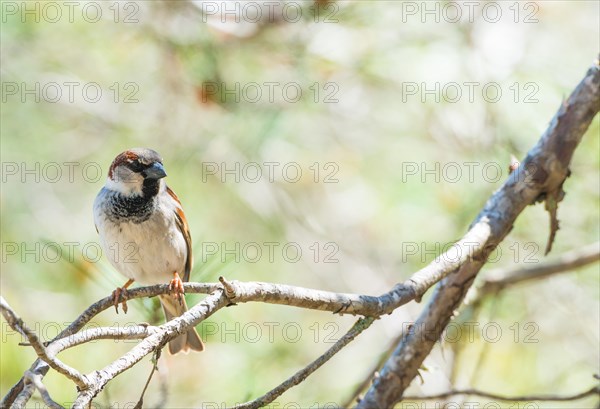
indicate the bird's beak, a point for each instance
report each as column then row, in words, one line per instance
column 156, row 171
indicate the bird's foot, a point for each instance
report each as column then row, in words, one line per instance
column 120, row 292
column 176, row 287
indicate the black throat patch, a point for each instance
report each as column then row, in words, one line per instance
column 150, row 188
column 135, row 209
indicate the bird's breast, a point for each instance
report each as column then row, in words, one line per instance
column 147, row 250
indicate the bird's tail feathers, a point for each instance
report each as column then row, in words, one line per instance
column 190, row 340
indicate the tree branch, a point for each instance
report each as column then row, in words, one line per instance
column 41, row 367
column 240, row 292
column 228, row 292
column 92, row 334
column 566, row 262
column 280, row 294
column 541, row 173
column 499, row 280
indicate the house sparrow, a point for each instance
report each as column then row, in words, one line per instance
column 144, row 233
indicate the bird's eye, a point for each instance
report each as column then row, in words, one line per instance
column 136, row 166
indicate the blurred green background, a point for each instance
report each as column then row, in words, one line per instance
column 175, row 77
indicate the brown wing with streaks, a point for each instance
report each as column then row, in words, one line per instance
column 185, row 230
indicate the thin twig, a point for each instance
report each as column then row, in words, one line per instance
column 358, row 327
column 155, row 358
column 525, row 398
column 229, row 288
column 566, row 262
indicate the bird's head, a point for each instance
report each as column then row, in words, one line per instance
column 137, row 171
